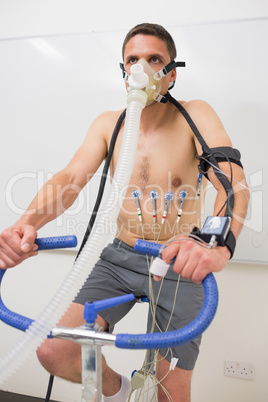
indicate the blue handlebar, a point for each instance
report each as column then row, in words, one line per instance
column 146, row 247
column 182, row 335
column 141, row 341
column 49, row 243
column 19, row 321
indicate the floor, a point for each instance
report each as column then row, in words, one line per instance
column 10, row 397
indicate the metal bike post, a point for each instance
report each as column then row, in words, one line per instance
column 91, row 338
column 91, row 373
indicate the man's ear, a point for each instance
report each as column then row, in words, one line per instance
column 173, row 75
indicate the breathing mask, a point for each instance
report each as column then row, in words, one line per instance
column 153, row 85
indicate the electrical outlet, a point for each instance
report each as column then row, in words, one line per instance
column 239, row 370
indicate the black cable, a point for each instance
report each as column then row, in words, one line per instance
column 95, row 209
column 103, row 180
column 49, row 388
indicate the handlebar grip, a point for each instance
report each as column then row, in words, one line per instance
column 16, row 320
column 147, row 247
column 49, row 243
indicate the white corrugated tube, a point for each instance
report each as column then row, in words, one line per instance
column 47, row 320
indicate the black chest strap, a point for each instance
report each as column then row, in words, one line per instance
column 209, row 157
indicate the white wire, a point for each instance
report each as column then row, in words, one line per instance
column 229, row 176
column 181, row 237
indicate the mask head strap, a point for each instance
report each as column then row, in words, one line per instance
column 170, row 66
column 125, row 74
column 159, row 74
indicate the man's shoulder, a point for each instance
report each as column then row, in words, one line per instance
column 196, row 105
column 202, row 114
column 109, row 117
column 208, row 122
column 199, row 111
column 104, row 124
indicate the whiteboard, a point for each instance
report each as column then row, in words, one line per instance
column 53, row 87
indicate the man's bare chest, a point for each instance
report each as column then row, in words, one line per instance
column 168, row 164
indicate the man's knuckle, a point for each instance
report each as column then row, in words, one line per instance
column 16, row 259
column 206, row 261
column 188, row 245
column 198, row 253
column 5, row 234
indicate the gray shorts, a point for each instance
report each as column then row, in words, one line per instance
column 121, row 271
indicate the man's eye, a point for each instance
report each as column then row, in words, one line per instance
column 155, row 60
column 132, row 61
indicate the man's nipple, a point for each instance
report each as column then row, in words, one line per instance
column 176, row 182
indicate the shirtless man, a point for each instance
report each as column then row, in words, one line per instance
column 165, row 161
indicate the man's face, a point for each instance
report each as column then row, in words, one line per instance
column 154, row 51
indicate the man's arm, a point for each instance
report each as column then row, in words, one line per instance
column 213, row 132
column 241, row 195
column 57, row 195
column 192, row 261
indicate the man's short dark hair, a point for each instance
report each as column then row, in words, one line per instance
column 153, row 30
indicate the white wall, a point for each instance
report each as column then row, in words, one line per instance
column 60, row 85
column 240, row 329
column 38, row 17
column 239, row 333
